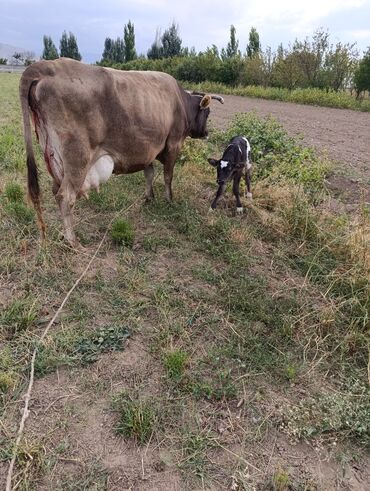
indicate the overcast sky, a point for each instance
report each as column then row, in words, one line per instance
column 201, row 22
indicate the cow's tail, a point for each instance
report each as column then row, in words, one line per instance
column 32, row 172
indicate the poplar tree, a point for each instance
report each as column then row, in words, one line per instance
column 50, row 51
column 129, row 42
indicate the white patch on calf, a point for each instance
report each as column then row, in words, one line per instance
column 99, row 172
column 239, row 210
column 248, row 151
column 224, row 163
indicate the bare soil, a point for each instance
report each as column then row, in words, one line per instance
column 342, row 133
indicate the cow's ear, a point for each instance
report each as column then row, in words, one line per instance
column 205, row 102
column 213, row 162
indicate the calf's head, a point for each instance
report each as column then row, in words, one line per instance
column 228, row 165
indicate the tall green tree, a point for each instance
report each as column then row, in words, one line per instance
column 68, row 46
column 171, row 41
column 50, row 51
column 156, row 50
column 232, row 45
column 129, row 42
column 362, row 74
column 339, row 66
column 254, row 45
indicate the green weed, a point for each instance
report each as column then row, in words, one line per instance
column 137, row 417
column 122, row 233
column 18, row 316
column 13, row 192
column 174, row 363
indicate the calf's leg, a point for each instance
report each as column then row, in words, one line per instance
column 248, row 193
column 236, row 184
column 220, row 192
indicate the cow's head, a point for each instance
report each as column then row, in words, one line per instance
column 200, row 110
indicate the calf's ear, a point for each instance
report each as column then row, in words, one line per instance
column 213, row 162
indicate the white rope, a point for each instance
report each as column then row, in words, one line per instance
column 27, row 398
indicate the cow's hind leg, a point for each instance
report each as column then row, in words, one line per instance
column 75, row 162
column 149, row 174
column 66, row 198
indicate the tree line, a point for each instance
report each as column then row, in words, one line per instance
column 311, row 63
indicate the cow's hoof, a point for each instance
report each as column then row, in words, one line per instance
column 239, row 210
column 249, row 195
column 211, row 210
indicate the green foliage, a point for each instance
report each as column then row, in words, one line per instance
column 278, row 156
column 50, row 51
column 105, row 339
column 280, row 480
column 68, row 46
column 156, row 50
column 13, row 192
column 362, row 74
column 196, row 444
column 3, row 61
column 71, row 347
column 20, row 212
column 129, row 42
column 175, row 362
column 114, row 51
column 171, row 42
column 122, row 233
column 343, row 414
column 136, row 417
column 254, row 45
column 232, row 45
column 8, row 381
column 18, row 316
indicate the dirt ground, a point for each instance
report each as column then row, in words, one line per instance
column 342, row 133
column 72, row 427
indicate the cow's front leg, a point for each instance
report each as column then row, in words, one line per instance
column 248, row 193
column 236, row 192
column 149, row 174
column 220, row 192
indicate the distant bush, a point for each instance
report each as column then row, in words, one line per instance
column 240, row 76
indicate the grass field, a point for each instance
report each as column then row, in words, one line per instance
column 201, row 351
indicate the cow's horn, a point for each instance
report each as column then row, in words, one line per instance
column 217, row 97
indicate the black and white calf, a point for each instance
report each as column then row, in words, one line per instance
column 234, row 162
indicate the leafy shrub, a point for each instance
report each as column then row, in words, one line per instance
column 277, row 156
column 344, row 414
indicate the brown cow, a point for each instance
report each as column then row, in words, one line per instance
column 92, row 121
